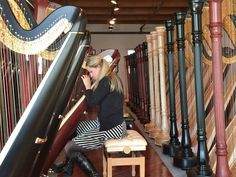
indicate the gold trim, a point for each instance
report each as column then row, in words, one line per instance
column 19, row 14
column 40, row 140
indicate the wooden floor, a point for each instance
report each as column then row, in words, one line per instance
column 154, row 167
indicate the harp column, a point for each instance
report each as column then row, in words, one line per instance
column 185, row 158
column 203, row 168
column 163, row 136
column 146, row 81
column 222, row 167
column 128, row 78
column 133, row 82
column 173, row 146
column 150, row 125
column 136, row 86
column 138, row 59
column 142, row 84
column 157, row 129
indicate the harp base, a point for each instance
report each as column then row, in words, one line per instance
column 184, row 162
column 197, row 171
column 171, row 149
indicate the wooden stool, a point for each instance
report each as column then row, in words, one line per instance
column 123, row 152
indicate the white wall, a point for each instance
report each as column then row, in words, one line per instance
column 122, row 42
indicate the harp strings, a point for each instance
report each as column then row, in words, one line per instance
column 19, row 77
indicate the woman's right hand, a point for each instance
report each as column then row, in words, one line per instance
column 87, row 81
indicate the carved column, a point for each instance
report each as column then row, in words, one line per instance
column 222, row 167
column 142, row 86
column 128, row 78
column 145, row 82
column 135, row 82
column 132, row 81
column 157, row 129
column 163, row 136
column 203, row 168
column 138, row 89
column 150, row 125
column 138, row 60
column 184, row 158
column 173, row 146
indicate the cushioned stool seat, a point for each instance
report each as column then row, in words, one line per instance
column 125, row 151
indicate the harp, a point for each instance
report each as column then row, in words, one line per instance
column 35, row 128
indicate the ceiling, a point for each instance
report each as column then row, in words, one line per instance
column 131, row 11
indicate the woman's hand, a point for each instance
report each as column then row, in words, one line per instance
column 87, row 81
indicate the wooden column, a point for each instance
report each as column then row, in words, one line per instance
column 139, row 82
column 222, row 168
column 151, row 124
column 133, row 82
column 157, row 108
column 145, row 82
column 127, row 63
column 164, row 135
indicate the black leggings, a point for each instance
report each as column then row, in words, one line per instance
column 89, row 137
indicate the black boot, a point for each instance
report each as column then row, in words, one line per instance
column 57, row 168
column 59, row 163
column 86, row 165
column 68, row 168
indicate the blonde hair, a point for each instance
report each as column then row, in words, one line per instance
column 98, row 61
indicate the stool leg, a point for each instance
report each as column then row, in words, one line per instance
column 133, row 166
column 133, row 170
column 104, row 165
column 109, row 167
column 142, row 168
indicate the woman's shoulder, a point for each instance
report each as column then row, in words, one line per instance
column 105, row 80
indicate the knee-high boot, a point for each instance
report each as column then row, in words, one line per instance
column 86, row 165
column 68, row 168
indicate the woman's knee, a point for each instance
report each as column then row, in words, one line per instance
column 69, row 148
column 72, row 148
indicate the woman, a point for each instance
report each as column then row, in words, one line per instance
column 107, row 95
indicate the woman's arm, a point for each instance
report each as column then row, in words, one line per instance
column 93, row 97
